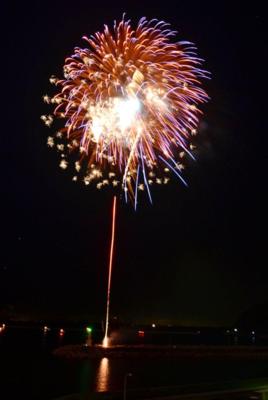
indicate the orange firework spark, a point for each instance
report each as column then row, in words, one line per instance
column 130, row 104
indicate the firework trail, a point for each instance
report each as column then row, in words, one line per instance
column 105, row 340
column 130, row 104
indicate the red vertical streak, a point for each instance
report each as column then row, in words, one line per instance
column 105, row 340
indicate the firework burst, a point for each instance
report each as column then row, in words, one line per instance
column 130, row 102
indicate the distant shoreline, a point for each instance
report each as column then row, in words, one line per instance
column 152, row 351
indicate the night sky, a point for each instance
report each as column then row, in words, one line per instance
column 198, row 255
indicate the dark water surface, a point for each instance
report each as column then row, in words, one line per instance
column 29, row 370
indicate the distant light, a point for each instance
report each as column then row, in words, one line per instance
column 62, row 332
column 46, row 328
column 153, row 325
column 235, row 330
column 3, row 326
column 141, row 333
column 253, row 333
column 89, row 329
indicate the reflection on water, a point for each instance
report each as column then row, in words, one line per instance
column 102, row 378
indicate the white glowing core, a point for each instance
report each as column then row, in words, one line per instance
column 114, row 118
column 126, row 111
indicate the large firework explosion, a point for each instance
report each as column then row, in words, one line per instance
column 130, row 105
